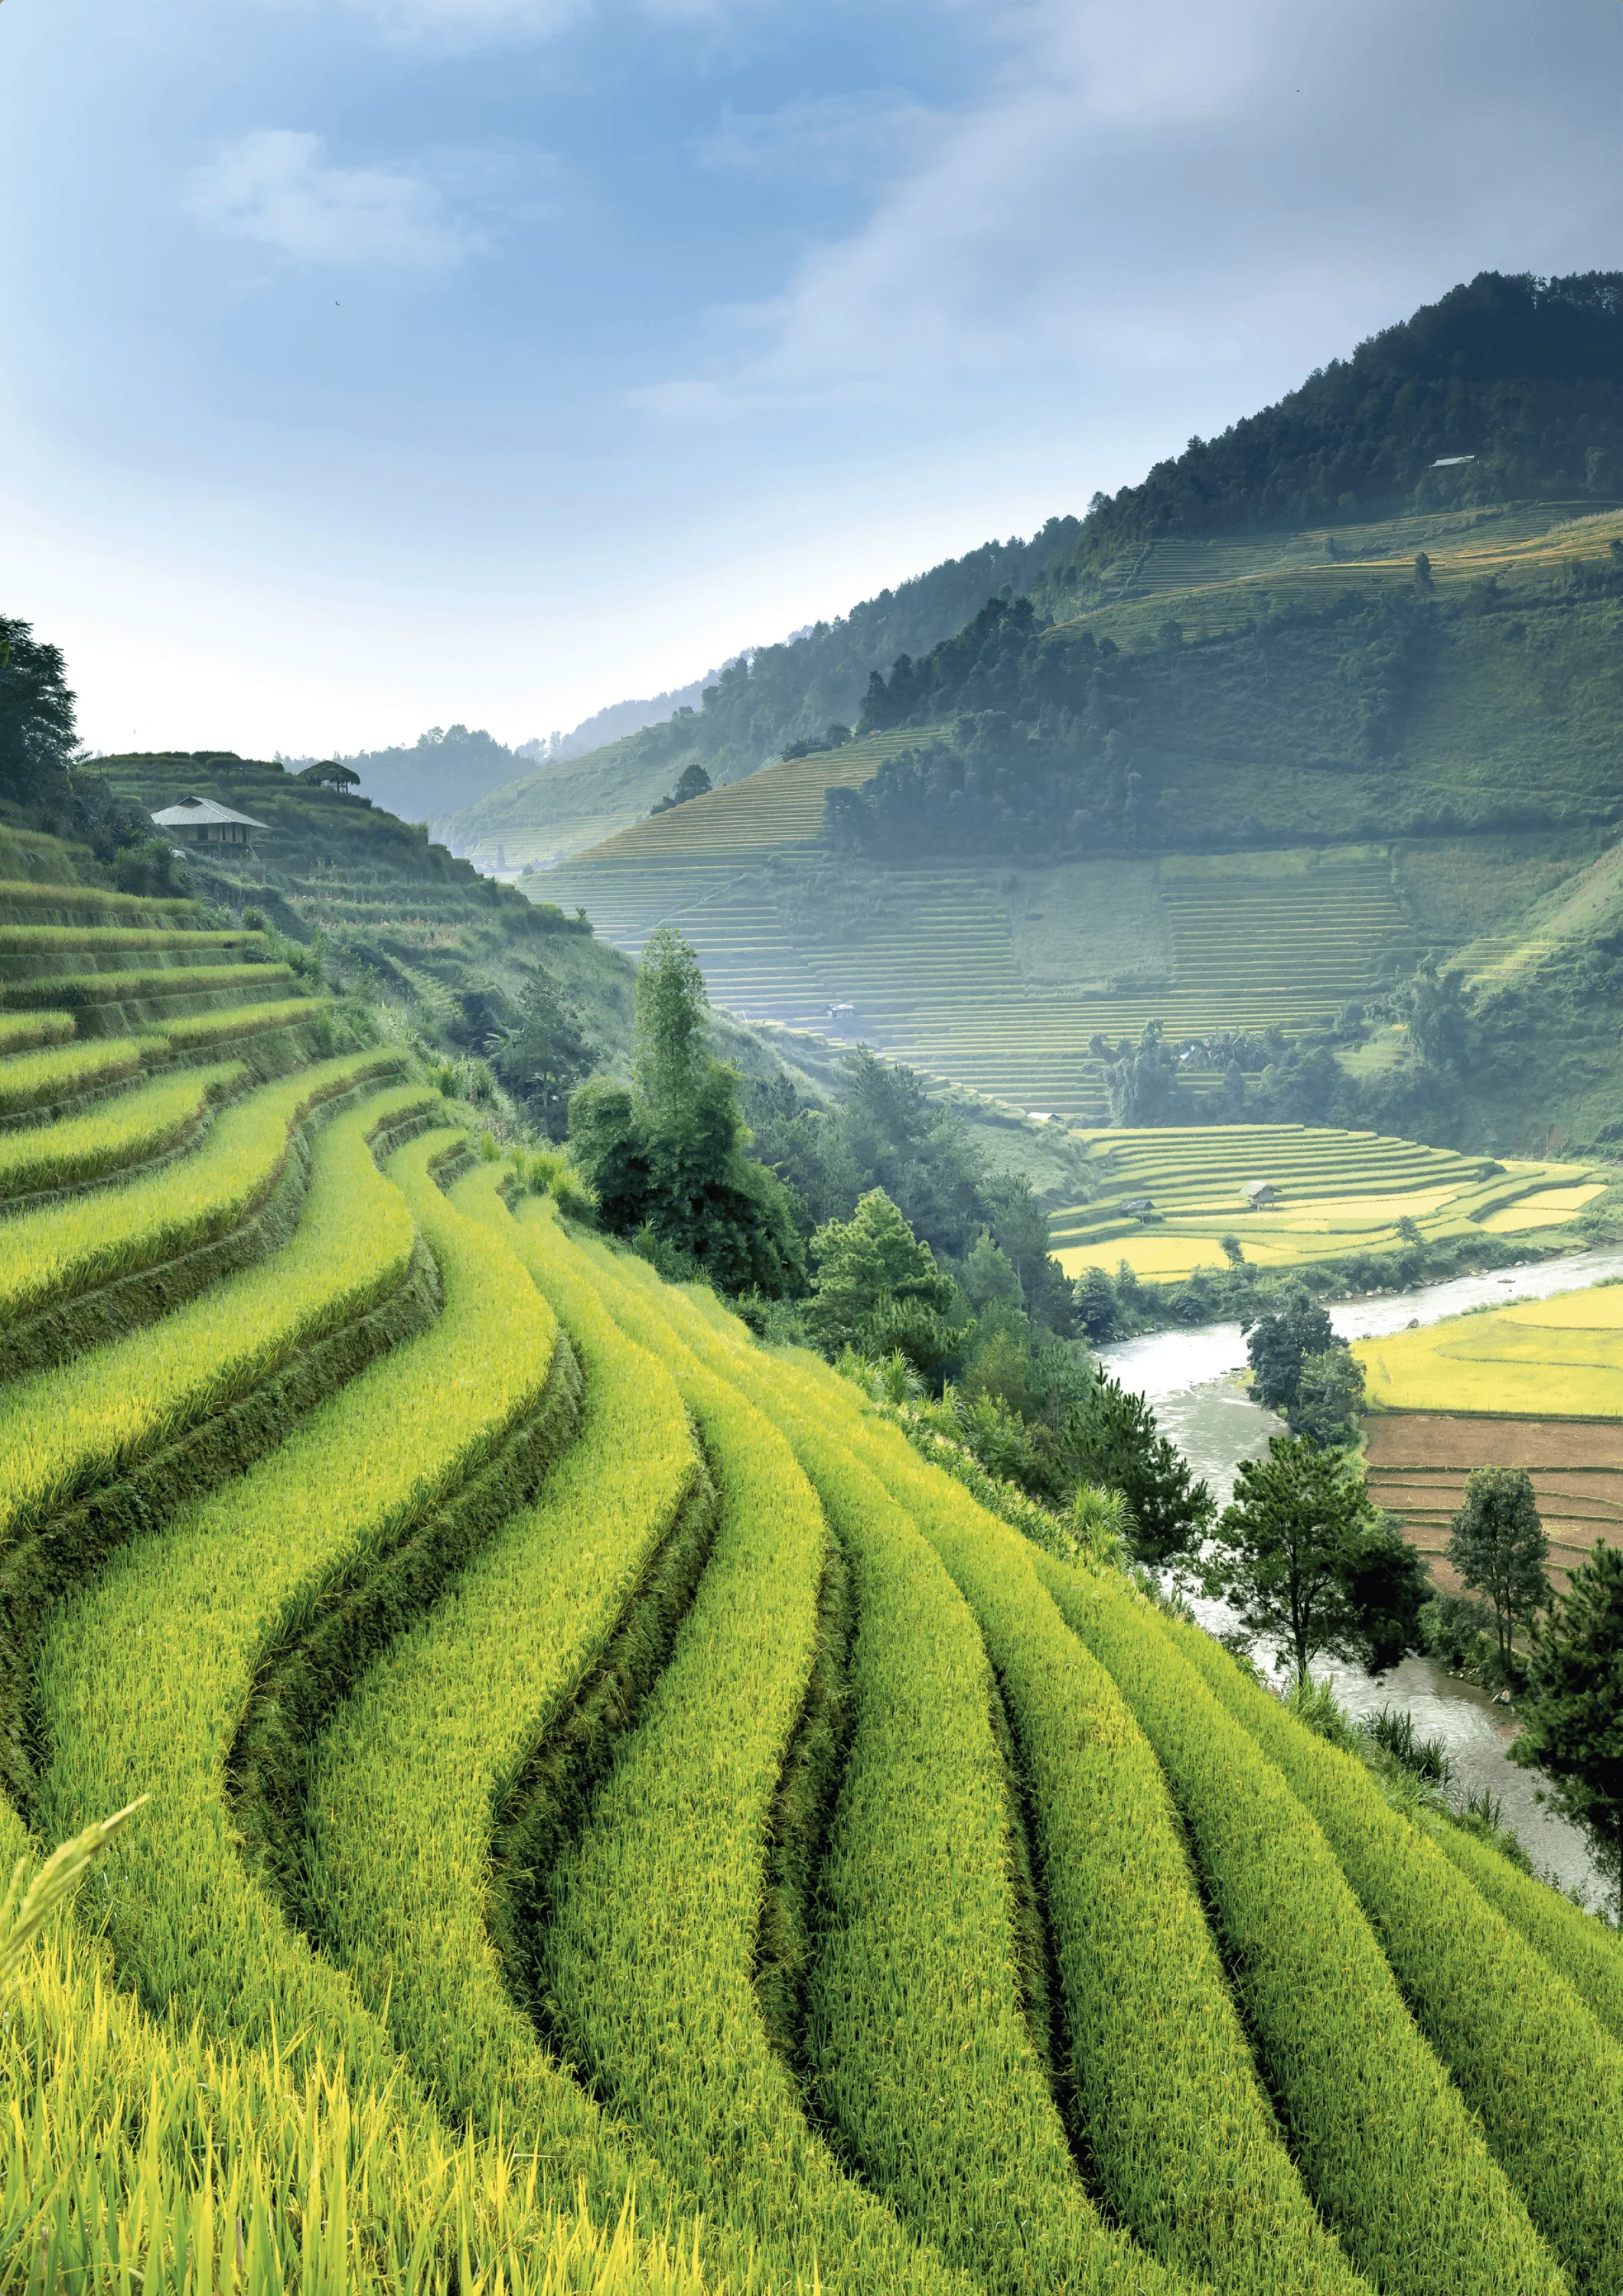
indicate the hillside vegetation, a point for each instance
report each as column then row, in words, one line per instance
column 761, row 703
column 531, row 1675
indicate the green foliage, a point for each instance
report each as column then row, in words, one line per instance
column 691, row 783
column 1110, row 1438
column 545, row 1054
column 1280, row 1344
column 1522, row 376
column 1329, row 1400
column 1498, row 1545
column 670, row 1153
column 37, row 734
column 878, row 1288
column 1458, row 1631
column 1572, row 1706
column 1307, row 1562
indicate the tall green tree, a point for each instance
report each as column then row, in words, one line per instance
column 671, row 1151
column 1307, row 1562
column 670, row 1053
column 37, row 734
column 545, row 1054
column 1498, row 1547
column 878, row 1287
column 1112, row 1439
column 1571, row 1706
column 1329, row 1397
column 1278, row 1345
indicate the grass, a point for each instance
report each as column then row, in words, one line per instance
column 648, row 1959
column 56, row 1250
column 23, row 1032
column 1403, row 2174
column 1561, row 1358
column 128, row 1129
column 60, row 1430
column 444, row 1739
column 1186, row 2146
column 77, row 990
column 919, row 1912
column 34, row 1080
column 150, row 1673
column 1540, row 2072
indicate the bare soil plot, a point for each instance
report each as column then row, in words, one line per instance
column 1418, row 1461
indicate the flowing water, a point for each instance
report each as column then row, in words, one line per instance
column 1195, row 1382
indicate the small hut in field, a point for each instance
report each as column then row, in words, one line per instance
column 1256, row 1193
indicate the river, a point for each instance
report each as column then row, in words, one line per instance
column 1196, row 1381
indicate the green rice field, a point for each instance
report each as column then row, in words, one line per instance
column 515, row 1682
column 994, row 984
column 1330, row 1193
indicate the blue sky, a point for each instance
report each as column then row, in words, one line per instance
column 371, row 364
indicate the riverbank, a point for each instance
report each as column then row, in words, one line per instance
column 1194, row 1380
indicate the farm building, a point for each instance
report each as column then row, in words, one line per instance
column 199, row 821
column 1137, row 1206
column 1259, row 1193
column 842, row 1011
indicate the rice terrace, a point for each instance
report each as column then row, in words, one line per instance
column 607, row 1685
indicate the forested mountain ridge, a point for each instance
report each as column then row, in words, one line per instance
column 760, row 704
column 1470, row 691
column 1504, row 388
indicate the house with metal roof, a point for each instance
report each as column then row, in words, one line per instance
column 199, row 821
column 1259, row 1193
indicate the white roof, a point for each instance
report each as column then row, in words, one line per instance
column 194, row 811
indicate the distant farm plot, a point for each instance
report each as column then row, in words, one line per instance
column 1536, row 1359
column 988, row 976
column 1290, row 1194
column 1419, row 1463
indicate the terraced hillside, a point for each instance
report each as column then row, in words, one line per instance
column 1281, row 862
column 531, row 1677
column 1166, row 1199
column 397, row 919
column 995, row 981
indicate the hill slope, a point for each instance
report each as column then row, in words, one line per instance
column 760, row 703
column 458, row 1592
column 1242, row 823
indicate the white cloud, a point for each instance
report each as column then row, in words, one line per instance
column 274, row 187
column 830, row 139
column 1179, row 188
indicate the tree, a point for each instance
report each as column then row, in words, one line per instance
column 1112, row 1438
column 1307, row 1562
column 1145, row 1083
column 1328, row 1399
column 545, row 1056
column 38, row 735
column 1572, row 1706
column 1498, row 1547
column 693, row 782
column 671, row 1152
column 878, row 1287
column 1098, row 1310
column 1279, row 1344
column 670, row 1042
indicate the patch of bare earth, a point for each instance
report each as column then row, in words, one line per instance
column 1418, row 1461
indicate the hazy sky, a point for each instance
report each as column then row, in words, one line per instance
column 368, row 364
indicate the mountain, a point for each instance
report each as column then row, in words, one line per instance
column 1504, row 388
column 761, row 703
column 1233, row 779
